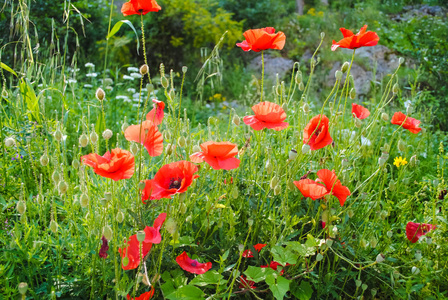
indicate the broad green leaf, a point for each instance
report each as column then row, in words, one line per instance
column 30, row 98
column 8, row 69
column 257, row 274
column 283, row 255
column 187, row 292
column 117, row 27
column 278, row 286
column 302, row 292
column 301, row 249
column 210, row 277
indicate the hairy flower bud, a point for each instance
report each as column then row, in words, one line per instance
column 84, row 200
column 100, row 94
column 184, row 69
column 164, row 82
column 134, row 149
column 107, row 232
column 58, row 135
column 345, row 67
column 107, row 134
column 395, row 88
column 415, row 270
column 277, row 189
column 235, row 192
column 373, row 242
column 409, row 109
column 392, row 185
column 23, row 287
column 120, row 217
column 301, row 86
column 75, row 163
column 269, row 167
column 306, row 108
column 285, row 107
column 93, row 137
column 62, row 187
column 306, row 148
column 56, row 176
column 53, row 226
column 83, row 140
column 169, row 149
column 108, row 196
column 236, row 120
column 385, row 117
column 298, row 77
column 274, row 181
column 352, row 93
column 401, row 145
column 21, row 207
column 181, row 141
column 338, row 75
column 358, row 123
column 44, row 160
column 144, row 69
column 413, row 161
column 401, row 60
column 171, row 225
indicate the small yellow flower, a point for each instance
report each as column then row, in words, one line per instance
column 219, row 205
column 399, row 161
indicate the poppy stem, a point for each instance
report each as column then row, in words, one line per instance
column 262, row 75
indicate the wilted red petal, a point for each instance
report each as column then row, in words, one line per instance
column 144, row 296
column 156, row 114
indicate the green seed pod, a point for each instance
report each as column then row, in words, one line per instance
column 100, row 94
column 292, row 154
column 21, row 207
column 184, row 69
column 125, row 261
column 44, row 160
column 345, row 67
column 53, row 226
column 58, row 135
column 358, row 123
column 23, row 287
column 322, row 35
column 306, row 148
column 395, row 88
column 141, row 236
column 352, row 93
column 338, row 75
column 84, row 200
column 120, row 217
column 62, row 187
column 55, row 176
column 83, row 140
column 107, row 232
column 401, row 145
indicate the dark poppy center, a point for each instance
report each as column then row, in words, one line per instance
column 194, row 263
column 317, row 132
column 175, row 183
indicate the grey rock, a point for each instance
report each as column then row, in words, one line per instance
column 272, row 66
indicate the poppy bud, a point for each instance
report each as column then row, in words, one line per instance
column 363, row 243
column 100, row 94
column 415, row 270
column 380, row 258
column 134, row 149
column 144, row 69
column 418, row 255
column 301, row 86
column 169, row 149
column 23, row 287
column 172, row 94
column 352, row 93
column 120, row 217
column 274, row 182
column 306, row 108
column 93, row 137
column 107, row 134
column 9, row 142
column 401, row 145
column 44, row 160
column 277, row 190
column 373, row 242
column 181, row 141
column 107, row 232
column 236, row 120
column 409, row 109
column 385, row 117
column 322, row 35
column 124, row 126
column 83, row 140
column 125, row 261
column 292, row 154
column 298, row 77
column 285, row 107
column 401, row 60
column 389, row 233
column 55, row 176
column 358, row 123
column 141, row 236
column 184, row 69
column 392, row 185
column 108, row 196
column 196, row 148
column 166, row 135
column 162, row 70
column 350, row 213
column 164, row 82
column 53, row 226
column 395, row 88
column 75, row 163
column 171, row 226
column 21, row 207
column 345, row 163
column 291, row 186
column 269, row 167
column 235, row 192
column 338, row 75
column 103, row 202
column 345, row 67
column 305, row 148
column 428, row 240
column 62, row 187
column 84, row 200
column 58, row 135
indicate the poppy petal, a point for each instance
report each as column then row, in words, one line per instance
column 311, row 189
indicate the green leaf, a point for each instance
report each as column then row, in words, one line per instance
column 278, row 287
column 257, row 274
column 302, row 292
column 210, row 277
column 283, row 255
column 8, row 69
column 117, row 27
column 301, row 249
column 30, row 98
column 187, row 292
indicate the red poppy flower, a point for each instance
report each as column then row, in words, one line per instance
column 248, row 252
column 132, row 252
column 148, row 135
column 156, row 114
column 246, row 283
column 116, row 165
column 171, row 179
column 355, row 41
column 406, row 122
column 262, row 39
column 139, row 7
column 192, row 265
column 415, row 230
column 360, row 111
column 144, row 296
column 104, row 248
column 320, row 137
column 267, row 115
column 274, row 265
column 219, row 155
column 326, row 183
